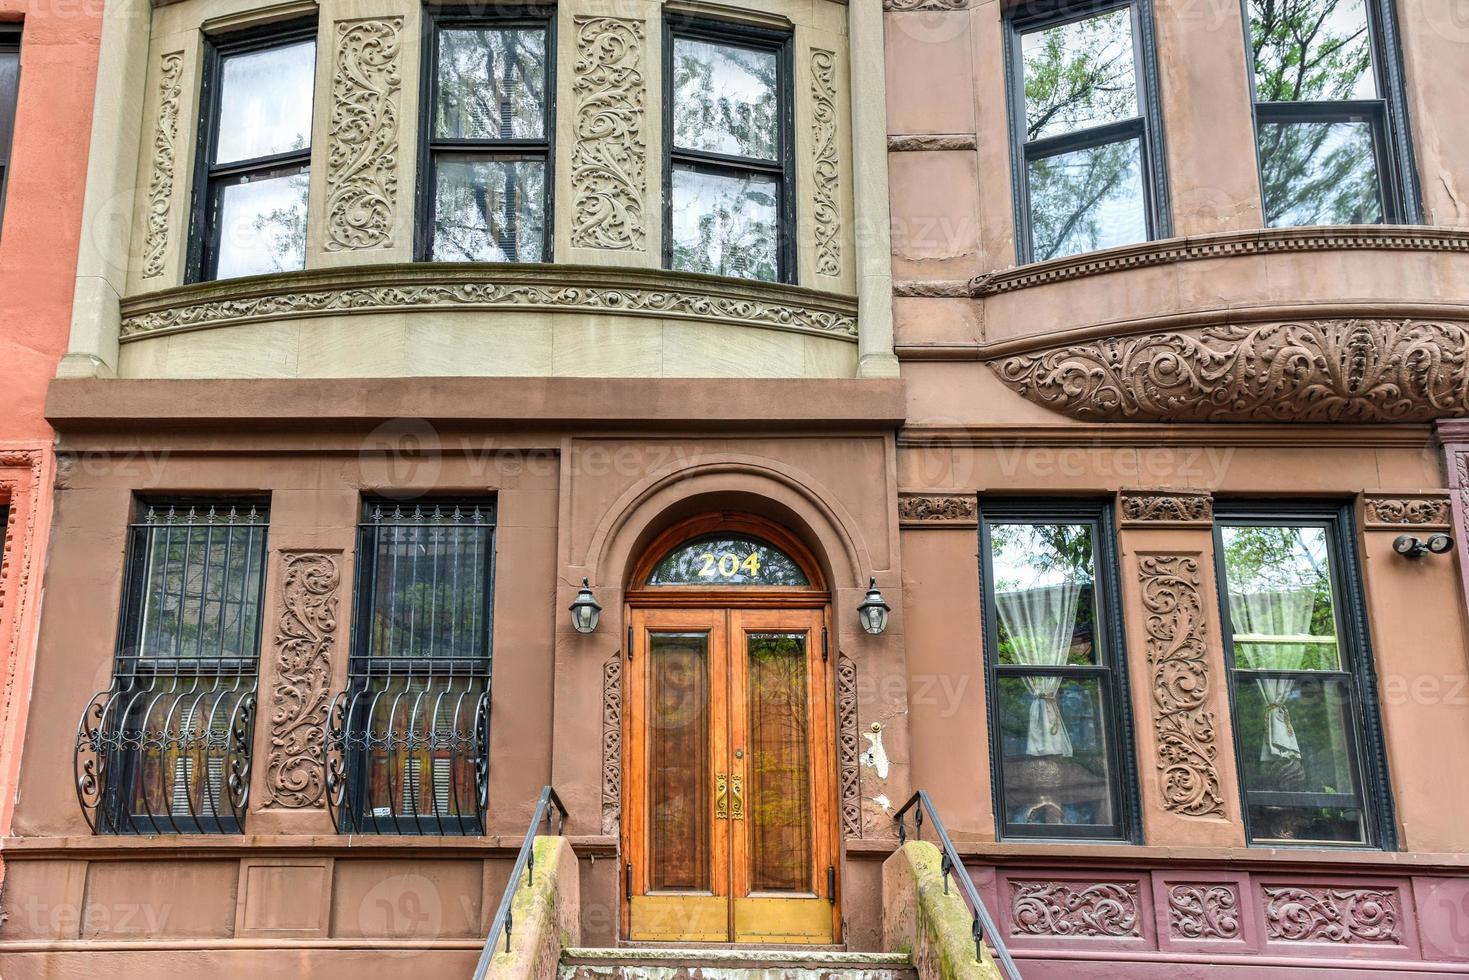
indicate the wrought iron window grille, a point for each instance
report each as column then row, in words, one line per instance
column 165, row 749
column 408, row 739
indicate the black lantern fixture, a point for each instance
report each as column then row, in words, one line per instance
column 874, row 609
column 585, row 611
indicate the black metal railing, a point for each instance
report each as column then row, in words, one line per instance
column 409, row 755
column 525, row 861
column 983, row 925
column 167, row 754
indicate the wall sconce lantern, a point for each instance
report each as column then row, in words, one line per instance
column 585, row 611
column 873, row 610
column 1413, row 547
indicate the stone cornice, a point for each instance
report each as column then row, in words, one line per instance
column 1262, row 242
column 476, row 286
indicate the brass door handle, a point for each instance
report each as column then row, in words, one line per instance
column 737, row 790
column 721, row 797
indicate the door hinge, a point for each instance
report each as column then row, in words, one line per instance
column 629, row 641
column 831, row 884
column 825, row 645
column 627, row 880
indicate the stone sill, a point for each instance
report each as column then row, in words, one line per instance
column 265, row 845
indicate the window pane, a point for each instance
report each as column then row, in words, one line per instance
column 262, row 225
column 727, row 560
column 1280, row 603
column 1311, row 50
column 779, row 790
column 1322, row 173
column 678, row 757
column 430, row 576
column 1054, row 738
column 1079, row 75
column 489, row 210
column 1087, row 199
column 422, row 764
column 725, row 99
column 1044, row 593
column 9, row 89
column 726, row 224
column 1299, row 760
column 492, row 83
column 265, row 102
column 202, row 571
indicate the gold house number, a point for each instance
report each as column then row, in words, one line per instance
column 727, row 564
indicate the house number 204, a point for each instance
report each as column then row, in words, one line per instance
column 727, row 565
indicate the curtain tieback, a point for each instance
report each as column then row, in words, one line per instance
column 1052, row 702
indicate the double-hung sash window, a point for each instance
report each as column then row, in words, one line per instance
column 1306, row 729
column 408, row 741
column 1059, row 730
column 249, row 211
column 1087, row 154
column 486, row 187
column 730, row 204
column 166, row 748
column 9, row 93
column 1329, row 114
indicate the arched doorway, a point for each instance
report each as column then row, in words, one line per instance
column 729, row 776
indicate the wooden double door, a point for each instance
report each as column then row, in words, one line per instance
column 729, row 777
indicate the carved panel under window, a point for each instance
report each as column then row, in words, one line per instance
column 1075, row 908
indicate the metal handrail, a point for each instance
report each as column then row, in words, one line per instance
column 983, row 928
column 524, row 861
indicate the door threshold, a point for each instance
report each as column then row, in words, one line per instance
column 734, row 947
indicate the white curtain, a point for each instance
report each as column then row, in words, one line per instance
column 1041, row 623
column 1274, row 614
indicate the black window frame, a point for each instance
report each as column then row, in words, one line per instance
column 1354, row 646
column 435, row 17
column 1392, row 140
column 1110, row 643
column 10, row 41
column 185, row 683
column 369, row 675
column 1147, row 128
column 209, row 179
column 749, row 36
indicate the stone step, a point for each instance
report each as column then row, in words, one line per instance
column 725, row 963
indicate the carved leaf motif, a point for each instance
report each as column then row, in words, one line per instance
column 1336, row 915
column 936, row 507
column 362, row 167
column 1181, row 719
column 1203, row 911
column 612, row 744
column 305, row 636
column 1173, row 507
column 1349, row 370
column 1408, row 510
column 824, row 138
column 494, row 295
column 848, row 747
column 160, row 182
column 609, row 163
column 1054, row 908
column 925, row 4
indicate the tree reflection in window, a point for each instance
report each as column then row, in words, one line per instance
column 727, row 559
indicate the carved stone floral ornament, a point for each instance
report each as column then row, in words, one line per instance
column 1340, row 370
column 937, row 510
column 362, row 168
column 305, row 636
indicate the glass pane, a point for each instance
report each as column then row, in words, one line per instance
column 430, row 576
column 9, row 90
column 492, row 83
column 726, row 99
column 1087, row 199
column 423, row 756
column 181, row 730
column 678, row 761
column 265, row 102
column 1311, row 50
column 1044, row 593
column 489, row 210
column 1079, row 75
column 262, row 225
column 726, row 225
column 1322, row 173
column 203, row 571
column 1280, row 602
column 727, row 560
column 778, row 795
column 1054, row 736
column 1299, row 760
